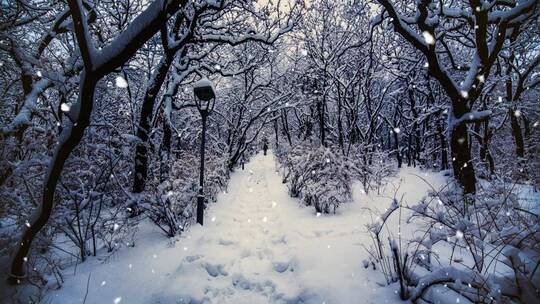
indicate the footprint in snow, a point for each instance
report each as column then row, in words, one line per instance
column 224, row 242
column 192, row 258
column 282, row 239
column 215, row 270
column 282, row 266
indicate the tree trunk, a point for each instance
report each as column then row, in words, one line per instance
column 285, row 128
column 396, row 147
column 276, row 130
column 70, row 138
column 320, row 112
column 516, row 133
column 143, row 130
column 165, row 150
column 444, row 150
column 461, row 158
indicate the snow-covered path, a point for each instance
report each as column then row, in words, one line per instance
column 258, row 245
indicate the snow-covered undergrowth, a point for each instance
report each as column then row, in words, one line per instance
column 323, row 177
column 484, row 249
column 172, row 204
column 258, row 245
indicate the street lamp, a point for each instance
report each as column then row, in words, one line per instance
column 204, row 99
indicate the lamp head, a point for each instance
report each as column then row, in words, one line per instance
column 204, row 90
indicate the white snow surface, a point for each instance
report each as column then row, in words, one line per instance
column 258, row 245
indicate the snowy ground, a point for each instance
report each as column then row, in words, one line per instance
column 258, row 245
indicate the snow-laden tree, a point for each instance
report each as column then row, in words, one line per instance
column 96, row 63
column 462, row 43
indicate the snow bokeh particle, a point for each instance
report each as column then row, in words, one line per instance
column 121, row 82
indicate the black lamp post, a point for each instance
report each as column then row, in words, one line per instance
column 205, row 99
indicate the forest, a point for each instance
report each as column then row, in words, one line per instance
column 269, row 151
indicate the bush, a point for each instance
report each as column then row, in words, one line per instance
column 173, row 205
column 497, row 227
column 321, row 177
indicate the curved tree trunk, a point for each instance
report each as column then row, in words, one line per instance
column 143, row 129
column 70, row 138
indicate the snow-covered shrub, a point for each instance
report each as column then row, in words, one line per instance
column 116, row 229
column 486, row 250
column 320, row 176
column 533, row 150
column 173, row 206
column 374, row 166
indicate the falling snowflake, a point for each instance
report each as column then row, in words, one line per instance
column 397, row 130
column 318, row 214
column 426, row 65
column 464, row 94
column 481, row 78
column 213, row 219
column 265, row 219
column 274, row 204
column 103, row 283
column 116, row 226
column 217, row 67
column 499, row 99
column 536, row 124
column 39, row 74
column 117, row 300
column 459, row 234
column 428, row 37
column 121, row 82
column 304, row 52
column 517, row 113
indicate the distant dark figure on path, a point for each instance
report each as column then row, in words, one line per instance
column 265, row 147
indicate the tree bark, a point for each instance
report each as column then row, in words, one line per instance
column 143, row 130
column 70, row 138
column 461, row 159
column 516, row 133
